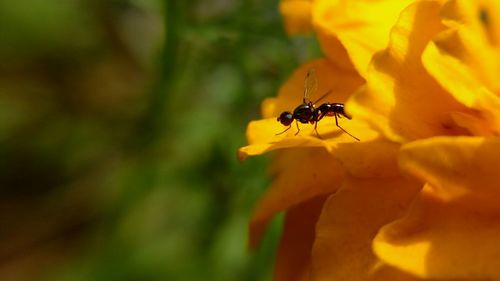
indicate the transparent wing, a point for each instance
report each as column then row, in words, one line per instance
column 310, row 85
column 323, row 96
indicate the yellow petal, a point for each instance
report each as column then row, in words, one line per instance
column 488, row 106
column 300, row 174
column 442, row 240
column 457, row 167
column 297, row 16
column 362, row 27
column 372, row 159
column 262, row 135
column 348, row 223
column 473, row 38
column 455, row 74
column 464, row 60
column 303, row 173
column 400, row 98
column 294, row 253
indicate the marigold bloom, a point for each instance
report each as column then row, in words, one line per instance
column 438, row 70
column 451, row 231
column 420, row 80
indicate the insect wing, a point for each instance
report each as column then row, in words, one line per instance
column 310, row 85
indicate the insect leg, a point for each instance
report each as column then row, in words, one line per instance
column 337, row 123
column 298, row 129
column 316, row 130
column 285, row 130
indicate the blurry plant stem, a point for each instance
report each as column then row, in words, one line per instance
column 108, row 19
column 153, row 124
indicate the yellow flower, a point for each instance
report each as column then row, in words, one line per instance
column 420, row 81
column 312, row 169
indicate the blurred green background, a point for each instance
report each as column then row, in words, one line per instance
column 119, row 125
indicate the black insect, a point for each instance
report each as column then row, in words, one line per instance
column 307, row 112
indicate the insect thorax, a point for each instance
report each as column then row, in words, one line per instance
column 304, row 113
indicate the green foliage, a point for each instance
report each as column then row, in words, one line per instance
column 119, row 126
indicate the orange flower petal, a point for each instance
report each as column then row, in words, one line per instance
column 476, row 125
column 457, row 167
column 300, row 174
column 349, row 221
column 401, row 99
column 373, row 159
column 442, row 240
column 362, row 27
column 294, row 252
column 297, row 16
column 488, row 104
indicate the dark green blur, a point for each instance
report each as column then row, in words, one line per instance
column 119, row 125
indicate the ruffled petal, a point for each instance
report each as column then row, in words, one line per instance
column 348, row 223
column 293, row 260
column 454, row 74
column 457, row 167
column 447, row 69
column 465, row 60
column 442, row 240
column 401, row 99
column 362, row 27
column 473, row 38
column 299, row 175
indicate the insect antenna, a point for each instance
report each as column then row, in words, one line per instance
column 323, row 96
